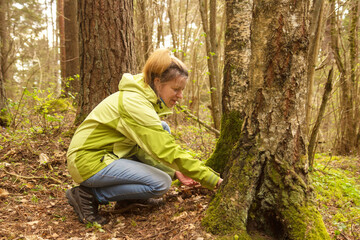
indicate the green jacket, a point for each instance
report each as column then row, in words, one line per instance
column 126, row 124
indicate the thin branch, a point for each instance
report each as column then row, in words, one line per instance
column 33, row 177
column 187, row 112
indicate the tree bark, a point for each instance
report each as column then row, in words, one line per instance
column 266, row 185
column 71, row 48
column 106, row 49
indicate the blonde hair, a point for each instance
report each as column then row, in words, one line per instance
column 163, row 66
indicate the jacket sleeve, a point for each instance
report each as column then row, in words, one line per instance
column 147, row 159
column 142, row 124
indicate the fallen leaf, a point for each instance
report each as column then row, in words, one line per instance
column 3, row 193
column 32, row 223
column 43, row 158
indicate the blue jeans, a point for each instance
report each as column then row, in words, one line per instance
column 127, row 179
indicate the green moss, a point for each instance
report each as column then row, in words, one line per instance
column 5, row 118
column 240, row 235
column 231, row 124
column 304, row 223
column 226, row 214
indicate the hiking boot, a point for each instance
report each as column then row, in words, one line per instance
column 85, row 205
column 150, row 202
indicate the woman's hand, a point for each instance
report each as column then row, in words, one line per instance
column 219, row 182
column 185, row 179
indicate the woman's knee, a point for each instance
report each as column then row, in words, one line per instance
column 163, row 185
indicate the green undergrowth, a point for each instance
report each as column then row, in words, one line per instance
column 337, row 185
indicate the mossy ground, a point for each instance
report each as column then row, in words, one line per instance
column 337, row 185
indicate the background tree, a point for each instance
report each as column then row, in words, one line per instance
column 4, row 49
column 106, row 49
column 266, row 186
column 210, row 43
column 354, row 69
column 61, row 29
column 144, row 15
column 71, row 48
column 315, row 33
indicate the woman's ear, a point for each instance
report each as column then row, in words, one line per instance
column 157, row 84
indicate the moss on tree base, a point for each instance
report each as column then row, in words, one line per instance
column 230, row 131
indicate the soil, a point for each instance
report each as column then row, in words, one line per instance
column 33, row 204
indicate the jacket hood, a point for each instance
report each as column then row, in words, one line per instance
column 136, row 83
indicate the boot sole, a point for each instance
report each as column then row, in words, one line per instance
column 74, row 204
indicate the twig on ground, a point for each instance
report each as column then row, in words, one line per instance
column 158, row 233
column 32, row 177
column 344, row 236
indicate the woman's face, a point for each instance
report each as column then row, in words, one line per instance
column 171, row 91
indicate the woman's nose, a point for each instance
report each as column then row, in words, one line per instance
column 179, row 94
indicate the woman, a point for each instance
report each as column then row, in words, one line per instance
column 123, row 151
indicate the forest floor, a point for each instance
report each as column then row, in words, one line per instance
column 34, row 180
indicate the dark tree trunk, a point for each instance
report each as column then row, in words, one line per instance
column 4, row 42
column 61, row 27
column 2, row 89
column 106, row 49
column 266, row 186
column 71, row 83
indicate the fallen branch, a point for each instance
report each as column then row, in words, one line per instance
column 32, row 177
column 187, row 112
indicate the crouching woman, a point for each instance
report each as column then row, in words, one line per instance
column 123, row 151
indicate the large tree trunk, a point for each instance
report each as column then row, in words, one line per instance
column 266, row 184
column 106, row 49
column 71, row 48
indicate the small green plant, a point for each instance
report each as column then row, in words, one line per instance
column 95, row 226
column 34, row 199
column 62, row 218
column 133, row 223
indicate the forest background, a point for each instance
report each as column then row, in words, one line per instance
column 41, row 99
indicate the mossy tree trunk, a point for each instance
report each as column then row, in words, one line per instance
column 266, row 185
